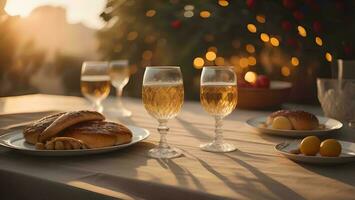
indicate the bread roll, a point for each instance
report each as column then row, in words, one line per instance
column 300, row 120
column 66, row 120
column 32, row 131
column 98, row 134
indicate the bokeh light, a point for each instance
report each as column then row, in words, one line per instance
column 132, row 35
column 251, row 60
column 274, row 41
column 244, row 62
column 264, row 37
column 198, row 62
column 223, row 3
column 211, row 56
column 295, row 61
column 285, row 71
column 250, row 48
column 147, row 55
column 150, row 13
column 188, row 14
column 328, row 57
column 205, row 14
column 219, row 61
column 250, row 77
column 302, row 31
column 260, row 18
column 319, row 41
column 251, row 28
column 212, row 48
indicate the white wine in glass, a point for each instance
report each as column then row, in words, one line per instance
column 95, row 82
column 120, row 73
column 163, row 96
column 219, row 97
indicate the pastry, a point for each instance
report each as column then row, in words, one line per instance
column 32, row 131
column 66, row 120
column 98, row 134
column 299, row 120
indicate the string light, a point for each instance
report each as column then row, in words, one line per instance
column 251, row 28
column 250, row 48
column 198, row 62
column 302, row 31
column 295, row 61
column 251, row 60
column 223, row 3
column 150, row 13
column 319, row 41
column 219, row 61
column 260, row 18
column 250, row 77
column 264, row 37
column 328, row 57
column 211, row 56
column 285, row 71
column 274, row 41
column 205, row 14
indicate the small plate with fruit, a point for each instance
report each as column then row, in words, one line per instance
column 312, row 150
column 294, row 124
column 258, row 92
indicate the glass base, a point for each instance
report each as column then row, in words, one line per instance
column 123, row 112
column 169, row 152
column 214, row 147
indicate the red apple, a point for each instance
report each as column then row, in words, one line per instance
column 262, row 82
column 244, row 84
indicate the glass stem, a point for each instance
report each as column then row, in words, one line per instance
column 163, row 130
column 119, row 97
column 218, row 139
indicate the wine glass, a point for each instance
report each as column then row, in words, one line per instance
column 219, row 96
column 119, row 73
column 163, row 96
column 95, row 82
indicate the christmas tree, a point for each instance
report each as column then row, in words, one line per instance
column 290, row 40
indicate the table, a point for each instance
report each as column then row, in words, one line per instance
column 255, row 171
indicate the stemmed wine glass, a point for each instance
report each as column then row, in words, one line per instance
column 163, row 96
column 219, row 95
column 119, row 73
column 95, row 82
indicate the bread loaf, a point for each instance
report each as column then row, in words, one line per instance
column 300, row 120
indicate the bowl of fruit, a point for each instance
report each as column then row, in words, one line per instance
column 258, row 92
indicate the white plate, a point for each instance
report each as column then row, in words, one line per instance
column 331, row 125
column 347, row 154
column 15, row 140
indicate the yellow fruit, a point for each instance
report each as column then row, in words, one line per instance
column 310, row 145
column 281, row 122
column 330, row 148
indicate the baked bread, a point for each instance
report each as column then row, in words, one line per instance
column 299, row 120
column 61, row 143
column 98, row 134
column 32, row 131
column 66, row 120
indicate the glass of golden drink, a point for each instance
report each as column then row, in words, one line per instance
column 120, row 73
column 163, row 96
column 219, row 96
column 95, row 82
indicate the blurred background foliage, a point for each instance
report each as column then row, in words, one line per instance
column 290, row 40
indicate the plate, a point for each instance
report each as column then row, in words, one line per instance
column 14, row 140
column 347, row 154
column 331, row 125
